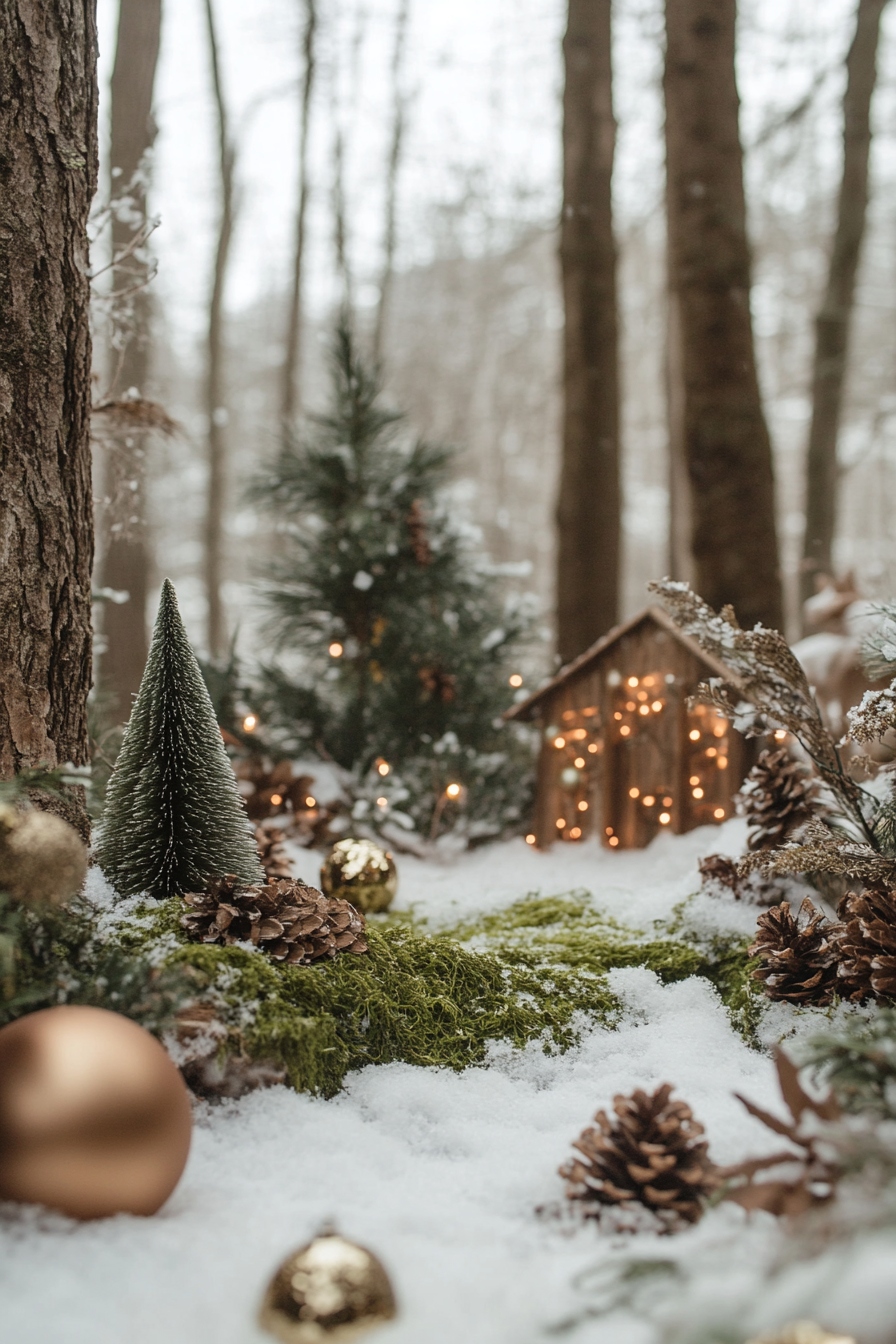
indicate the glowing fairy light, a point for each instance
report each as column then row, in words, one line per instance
column 250, row 723
column 694, row 734
column 382, row 802
column 613, row 840
column 530, row 839
column 667, row 802
column 664, row 818
column 624, row 730
column 336, row 650
column 648, row 800
column 719, row 813
column 515, row 679
column 276, row 799
column 711, row 752
column 310, row 802
column 632, row 681
column 722, row 762
column 383, row 767
column 694, row 779
column 579, row 762
column 559, row 742
column 697, row 793
column 593, row 747
column 643, row 709
column 634, row 793
column 657, row 706
column 453, row 790
column 780, row 734
column 582, row 806
column 575, row 833
column 560, row 823
column 617, row 716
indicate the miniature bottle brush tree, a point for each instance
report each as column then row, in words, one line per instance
column 174, row 817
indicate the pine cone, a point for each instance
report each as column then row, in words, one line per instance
column 289, row 921
column 867, row 945
column 649, row 1156
column 777, row 795
column 799, row 955
column 272, row 853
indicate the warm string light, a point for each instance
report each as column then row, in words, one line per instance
column 614, row 840
column 336, row 650
column 580, row 762
column 382, row 767
column 515, row 679
column 250, row 723
column 453, row 790
column 530, row 839
column 561, row 823
column 582, row 806
column 310, row 802
column 276, row 799
column 559, row 742
column 575, row 833
column 780, row 734
column 382, row 802
column 664, row 818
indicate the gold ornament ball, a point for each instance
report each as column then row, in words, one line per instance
column 362, row 872
column 802, row 1332
column 329, row 1291
column 95, row 1119
column 43, row 860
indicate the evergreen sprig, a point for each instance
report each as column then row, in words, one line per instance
column 174, row 817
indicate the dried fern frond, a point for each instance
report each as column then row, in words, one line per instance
column 874, row 717
column 768, row 688
column 822, row 850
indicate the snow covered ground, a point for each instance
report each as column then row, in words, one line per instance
column 441, row 1173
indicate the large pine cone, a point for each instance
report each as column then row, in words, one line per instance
column 289, row 921
column 867, row 944
column 799, row 955
column 777, row 795
column 650, row 1156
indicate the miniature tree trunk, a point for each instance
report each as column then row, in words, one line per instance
column 174, row 818
column 724, row 435
column 588, row 504
column 48, row 164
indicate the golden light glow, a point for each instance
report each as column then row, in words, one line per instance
column 665, row 818
column 453, row 790
column 382, row 802
column 515, row 679
column 250, row 723
column 642, row 695
column 720, row 730
column 630, row 705
column 579, row 734
column 711, row 751
column 614, row 840
column 336, row 650
column 648, row 800
column 632, row 681
column 583, row 806
column 634, row 793
column 310, row 802
column 383, row 767
column 559, row 742
column 667, row 802
column 698, row 793
column 575, row 833
column 694, row 779
column 579, row 762
column 719, row 813
column 593, row 747
column 530, row 839
column 722, row 762
column 624, row 730
column 617, row 716
column 780, row 734
column 276, row 799
column 648, row 681
column 561, row 822
column 569, row 714
column 694, row 734
column 657, row 706
column 643, row 709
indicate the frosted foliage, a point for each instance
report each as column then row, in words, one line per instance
column 874, row 717
column 173, row 815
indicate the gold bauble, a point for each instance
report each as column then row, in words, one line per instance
column 43, row 860
column 331, row 1290
column 802, row 1332
column 362, row 872
column 95, row 1118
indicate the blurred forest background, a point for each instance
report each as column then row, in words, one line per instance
column 421, row 144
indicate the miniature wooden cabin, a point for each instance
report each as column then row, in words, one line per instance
column 621, row 753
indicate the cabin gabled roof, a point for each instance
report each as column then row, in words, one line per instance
column 525, row 709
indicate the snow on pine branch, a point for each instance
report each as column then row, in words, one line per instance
column 874, row 717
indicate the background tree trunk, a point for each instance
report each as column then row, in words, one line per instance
column 726, row 440
column 292, row 372
column 833, row 318
column 214, row 381
column 125, row 565
column 589, row 500
column 48, row 167
column 389, row 231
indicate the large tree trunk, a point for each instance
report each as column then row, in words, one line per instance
column 391, row 212
column 724, row 434
column 48, row 166
column 832, row 320
column 292, row 371
column 126, row 560
column 589, row 500
column 214, row 379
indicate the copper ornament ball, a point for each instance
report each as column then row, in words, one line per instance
column 361, row 872
column 328, row 1292
column 95, row 1119
column 43, row 860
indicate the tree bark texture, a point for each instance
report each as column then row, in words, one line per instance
column 391, row 213
column 588, row 508
column 214, row 381
column 292, row 371
column 48, row 167
column 125, row 564
column 726, row 442
column 833, row 318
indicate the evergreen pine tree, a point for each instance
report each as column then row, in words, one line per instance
column 173, row 817
column 398, row 635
